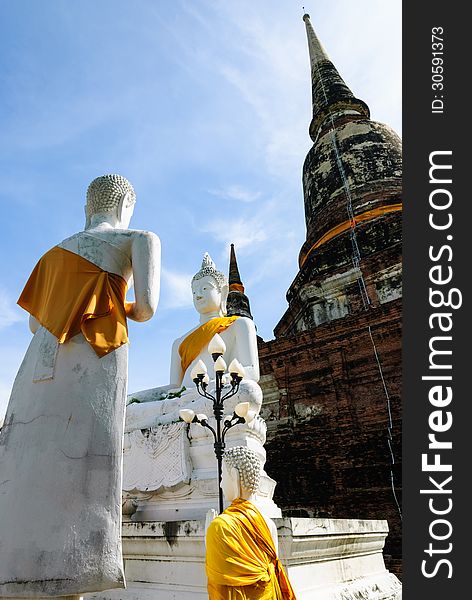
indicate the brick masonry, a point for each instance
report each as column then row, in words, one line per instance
column 327, row 420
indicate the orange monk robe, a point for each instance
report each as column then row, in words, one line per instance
column 194, row 343
column 241, row 561
column 68, row 295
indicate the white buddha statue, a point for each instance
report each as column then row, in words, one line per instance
column 210, row 290
column 61, row 443
column 170, row 468
column 241, row 543
column 241, row 477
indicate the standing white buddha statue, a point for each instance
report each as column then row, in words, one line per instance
column 61, row 442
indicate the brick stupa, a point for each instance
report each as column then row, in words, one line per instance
column 332, row 375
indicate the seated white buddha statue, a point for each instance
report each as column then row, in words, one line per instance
column 161, row 405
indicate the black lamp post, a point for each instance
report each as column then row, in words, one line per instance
column 200, row 378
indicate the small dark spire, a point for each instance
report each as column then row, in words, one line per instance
column 234, row 280
column 238, row 302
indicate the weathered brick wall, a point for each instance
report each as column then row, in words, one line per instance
column 327, row 419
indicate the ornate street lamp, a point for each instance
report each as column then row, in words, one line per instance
column 241, row 414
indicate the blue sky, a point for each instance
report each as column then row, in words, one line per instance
column 204, row 106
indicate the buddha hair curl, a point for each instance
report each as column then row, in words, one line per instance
column 105, row 192
column 208, row 268
column 248, row 465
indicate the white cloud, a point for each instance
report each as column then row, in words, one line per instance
column 281, row 106
column 242, row 232
column 235, row 192
column 224, row 103
column 176, row 290
column 9, row 312
column 274, row 79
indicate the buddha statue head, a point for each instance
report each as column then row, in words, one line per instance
column 110, row 198
column 209, row 289
column 241, row 473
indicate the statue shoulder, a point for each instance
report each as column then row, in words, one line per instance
column 244, row 325
column 177, row 342
column 125, row 239
column 219, row 525
column 143, row 235
column 144, row 243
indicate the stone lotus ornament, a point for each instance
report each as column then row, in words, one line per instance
column 217, row 345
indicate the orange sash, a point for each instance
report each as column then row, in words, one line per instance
column 368, row 215
column 68, row 294
column 194, row 343
column 241, row 561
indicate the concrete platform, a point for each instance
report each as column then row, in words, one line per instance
column 326, row 559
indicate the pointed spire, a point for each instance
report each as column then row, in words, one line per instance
column 315, row 48
column 238, row 302
column 330, row 94
column 235, row 283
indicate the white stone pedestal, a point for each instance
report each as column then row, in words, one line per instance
column 326, row 559
column 170, row 471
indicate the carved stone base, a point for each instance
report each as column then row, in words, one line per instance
column 326, row 559
column 170, row 471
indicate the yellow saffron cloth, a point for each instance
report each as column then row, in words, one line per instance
column 194, row 343
column 68, row 294
column 241, row 561
column 368, row 215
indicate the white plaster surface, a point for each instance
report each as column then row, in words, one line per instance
column 150, row 413
column 154, row 408
column 74, row 597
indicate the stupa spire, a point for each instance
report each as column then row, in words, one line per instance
column 330, row 95
column 315, row 48
column 235, row 283
column 238, row 302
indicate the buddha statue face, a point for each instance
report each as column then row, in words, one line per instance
column 207, row 298
column 209, row 289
